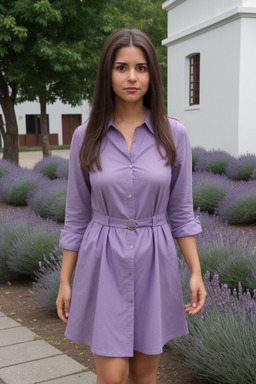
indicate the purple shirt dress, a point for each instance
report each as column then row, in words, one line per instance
column 126, row 293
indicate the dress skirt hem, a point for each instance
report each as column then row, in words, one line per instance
column 128, row 354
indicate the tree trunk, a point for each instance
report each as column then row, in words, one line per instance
column 10, row 133
column 44, row 132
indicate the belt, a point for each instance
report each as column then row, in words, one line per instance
column 130, row 224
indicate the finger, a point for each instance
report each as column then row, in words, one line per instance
column 66, row 308
column 61, row 312
column 194, row 299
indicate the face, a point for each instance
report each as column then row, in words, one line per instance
column 130, row 75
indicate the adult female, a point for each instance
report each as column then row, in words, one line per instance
column 131, row 165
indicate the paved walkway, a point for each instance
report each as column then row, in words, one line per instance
column 29, row 159
column 26, row 359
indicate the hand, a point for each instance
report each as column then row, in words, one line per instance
column 198, row 295
column 63, row 301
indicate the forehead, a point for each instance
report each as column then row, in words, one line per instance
column 131, row 53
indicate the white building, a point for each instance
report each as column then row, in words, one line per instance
column 212, row 71
column 62, row 120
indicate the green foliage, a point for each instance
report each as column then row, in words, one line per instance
column 220, row 348
column 9, row 233
column 29, row 249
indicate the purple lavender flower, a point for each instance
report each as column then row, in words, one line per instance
column 48, row 166
column 208, row 190
column 253, row 174
column 47, row 279
column 196, row 153
column 229, row 252
column 213, row 161
column 62, row 170
column 49, row 200
column 15, row 185
column 241, row 168
column 239, row 204
column 6, row 167
column 24, row 238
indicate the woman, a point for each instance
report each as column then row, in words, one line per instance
column 129, row 167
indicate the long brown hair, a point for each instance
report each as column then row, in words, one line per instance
column 103, row 100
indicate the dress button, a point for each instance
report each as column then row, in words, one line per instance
column 130, row 196
column 131, row 246
column 130, row 166
column 130, row 274
column 134, row 140
column 131, row 301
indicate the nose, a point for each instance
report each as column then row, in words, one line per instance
column 132, row 75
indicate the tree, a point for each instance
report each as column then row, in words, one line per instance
column 50, row 49
column 46, row 54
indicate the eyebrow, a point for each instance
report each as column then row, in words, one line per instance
column 119, row 62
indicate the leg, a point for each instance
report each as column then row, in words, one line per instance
column 143, row 368
column 111, row 370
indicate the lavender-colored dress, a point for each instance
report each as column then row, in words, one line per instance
column 127, row 293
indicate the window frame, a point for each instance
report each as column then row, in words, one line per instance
column 194, row 79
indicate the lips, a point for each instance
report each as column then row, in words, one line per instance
column 131, row 89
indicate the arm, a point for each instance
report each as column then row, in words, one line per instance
column 64, row 295
column 198, row 293
column 184, row 225
column 77, row 217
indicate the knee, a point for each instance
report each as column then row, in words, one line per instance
column 113, row 377
column 142, row 377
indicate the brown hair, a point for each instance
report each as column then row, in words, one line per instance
column 103, row 100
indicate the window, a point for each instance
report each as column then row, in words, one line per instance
column 33, row 126
column 194, row 79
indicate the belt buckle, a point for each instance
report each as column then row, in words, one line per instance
column 131, row 228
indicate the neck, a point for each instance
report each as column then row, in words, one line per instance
column 129, row 112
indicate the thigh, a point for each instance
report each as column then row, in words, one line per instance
column 143, row 368
column 111, row 370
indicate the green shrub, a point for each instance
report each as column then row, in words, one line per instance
column 239, row 205
column 220, row 347
column 15, row 185
column 208, row 190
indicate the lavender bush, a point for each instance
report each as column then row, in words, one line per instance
column 229, row 252
column 241, row 168
column 213, row 161
column 49, row 200
column 208, row 190
column 47, row 280
column 25, row 238
column 48, row 166
column 12, row 224
column 253, row 174
column 15, row 185
column 221, row 345
column 239, row 204
column 196, row 153
column 62, row 170
column 6, row 167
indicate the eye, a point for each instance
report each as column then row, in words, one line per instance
column 142, row 68
column 120, row 68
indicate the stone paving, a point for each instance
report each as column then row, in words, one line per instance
column 26, row 359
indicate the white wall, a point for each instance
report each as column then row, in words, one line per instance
column 190, row 13
column 247, row 102
column 54, row 111
column 215, row 123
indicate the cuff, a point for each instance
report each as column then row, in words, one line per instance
column 70, row 240
column 189, row 229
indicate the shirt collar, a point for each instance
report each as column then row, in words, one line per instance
column 147, row 122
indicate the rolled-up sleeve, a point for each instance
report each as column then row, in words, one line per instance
column 180, row 206
column 78, row 204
